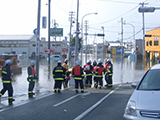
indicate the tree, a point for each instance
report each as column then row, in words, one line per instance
column 73, row 43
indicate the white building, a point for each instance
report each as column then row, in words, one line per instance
column 26, row 45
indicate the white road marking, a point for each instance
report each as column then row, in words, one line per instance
column 23, row 103
column 65, row 100
column 94, row 106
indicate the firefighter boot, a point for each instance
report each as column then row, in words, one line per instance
column 30, row 95
column 10, row 101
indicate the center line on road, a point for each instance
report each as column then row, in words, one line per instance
column 66, row 100
column 94, row 106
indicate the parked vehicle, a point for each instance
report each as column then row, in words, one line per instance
column 55, row 57
column 144, row 104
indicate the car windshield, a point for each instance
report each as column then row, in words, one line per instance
column 151, row 81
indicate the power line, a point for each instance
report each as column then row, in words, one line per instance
column 133, row 35
column 119, row 16
column 119, row 1
column 61, row 8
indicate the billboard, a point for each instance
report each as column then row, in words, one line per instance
column 44, row 22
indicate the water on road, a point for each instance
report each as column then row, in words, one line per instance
column 123, row 72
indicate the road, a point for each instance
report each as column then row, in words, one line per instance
column 94, row 104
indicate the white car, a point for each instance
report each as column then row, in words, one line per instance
column 144, row 104
column 55, row 57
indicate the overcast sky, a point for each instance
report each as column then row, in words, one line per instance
column 20, row 17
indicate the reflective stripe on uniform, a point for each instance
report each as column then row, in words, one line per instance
column 77, row 78
column 98, row 75
column 58, row 70
column 30, row 91
column 58, row 78
column 32, row 80
column 111, row 74
column 4, row 72
column 89, row 74
column 31, row 75
column 6, row 81
column 109, row 85
column 10, row 97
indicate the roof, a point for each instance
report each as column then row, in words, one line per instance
column 16, row 37
column 157, row 66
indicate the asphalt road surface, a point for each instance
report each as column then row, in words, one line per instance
column 94, row 104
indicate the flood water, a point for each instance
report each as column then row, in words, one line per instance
column 123, row 72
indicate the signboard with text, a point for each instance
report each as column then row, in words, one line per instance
column 56, row 32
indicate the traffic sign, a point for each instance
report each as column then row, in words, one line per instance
column 36, row 31
column 64, row 49
column 46, row 50
column 56, row 32
column 49, row 51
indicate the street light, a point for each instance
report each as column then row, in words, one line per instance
column 133, row 34
column 82, row 35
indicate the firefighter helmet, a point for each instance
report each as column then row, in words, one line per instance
column 89, row 61
column 77, row 62
column 33, row 62
column 100, row 61
column 108, row 60
column 66, row 60
column 8, row 62
column 59, row 61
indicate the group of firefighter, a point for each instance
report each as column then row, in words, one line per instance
column 92, row 71
column 61, row 74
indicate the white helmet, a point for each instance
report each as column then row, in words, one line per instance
column 94, row 61
column 59, row 61
column 100, row 61
column 89, row 61
column 33, row 62
column 77, row 62
column 105, row 59
column 66, row 60
column 108, row 60
column 8, row 61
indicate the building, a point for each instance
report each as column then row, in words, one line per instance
column 26, row 45
column 152, row 45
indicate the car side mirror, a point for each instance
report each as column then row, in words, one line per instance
column 134, row 85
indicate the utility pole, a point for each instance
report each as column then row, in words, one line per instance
column 77, row 33
column 55, row 28
column 103, row 43
column 49, row 31
column 122, row 43
column 38, row 27
column 86, row 28
column 143, row 28
column 70, row 35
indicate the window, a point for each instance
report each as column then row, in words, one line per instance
column 151, row 81
column 156, row 41
column 147, row 43
column 24, row 53
column 150, row 42
column 34, row 45
column 41, row 45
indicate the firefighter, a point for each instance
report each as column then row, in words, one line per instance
column 59, row 76
column 88, row 68
column 109, row 73
column 67, row 78
column 7, row 81
column 32, row 77
column 78, row 75
column 98, row 75
column 94, row 63
column 106, row 68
